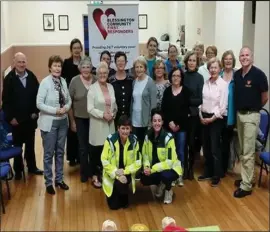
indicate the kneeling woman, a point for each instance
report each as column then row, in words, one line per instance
column 121, row 160
column 161, row 166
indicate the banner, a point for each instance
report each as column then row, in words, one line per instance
column 114, row 28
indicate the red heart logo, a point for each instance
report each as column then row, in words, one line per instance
column 97, row 13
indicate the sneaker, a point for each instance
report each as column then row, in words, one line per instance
column 160, row 190
column 168, row 197
column 180, row 181
column 174, row 183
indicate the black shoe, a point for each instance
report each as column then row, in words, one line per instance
column 215, row 182
column 36, row 171
column 239, row 193
column 185, row 175
column 18, row 176
column 191, row 174
column 124, row 201
column 62, row 185
column 84, row 179
column 237, row 183
column 202, row 178
column 50, row 190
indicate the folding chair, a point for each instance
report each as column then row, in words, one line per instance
column 4, row 171
column 264, row 156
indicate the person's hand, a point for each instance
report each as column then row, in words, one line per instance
column 34, row 116
column 14, row 122
column 208, row 120
column 107, row 116
column 147, row 171
column 73, row 126
column 119, row 172
column 203, row 121
column 171, row 124
column 123, row 179
column 62, row 111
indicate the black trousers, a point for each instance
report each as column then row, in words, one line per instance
column 226, row 137
column 167, row 177
column 119, row 197
column 82, row 125
column 194, row 139
column 95, row 161
column 140, row 133
column 24, row 133
column 212, row 148
column 72, row 146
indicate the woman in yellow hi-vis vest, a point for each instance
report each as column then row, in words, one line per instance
column 160, row 163
column 121, row 160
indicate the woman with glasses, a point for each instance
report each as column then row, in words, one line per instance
column 78, row 114
column 175, row 107
column 210, row 52
column 102, row 108
column 172, row 61
column 160, row 77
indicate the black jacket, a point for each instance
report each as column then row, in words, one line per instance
column 69, row 70
column 18, row 101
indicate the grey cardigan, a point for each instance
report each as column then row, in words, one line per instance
column 78, row 94
column 149, row 101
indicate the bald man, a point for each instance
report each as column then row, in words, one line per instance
column 19, row 106
column 251, row 94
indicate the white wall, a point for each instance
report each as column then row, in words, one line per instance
column 5, row 39
column 208, row 23
column 173, row 21
column 33, row 10
column 229, row 26
column 248, row 27
column 261, row 43
column 193, row 19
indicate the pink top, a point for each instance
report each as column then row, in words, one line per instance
column 215, row 97
column 107, row 98
column 85, row 82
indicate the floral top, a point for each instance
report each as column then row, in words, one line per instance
column 160, row 90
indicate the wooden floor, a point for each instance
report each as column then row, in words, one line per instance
column 84, row 208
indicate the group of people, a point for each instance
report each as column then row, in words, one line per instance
column 145, row 123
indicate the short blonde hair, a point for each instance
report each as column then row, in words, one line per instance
column 109, row 225
column 167, row 221
column 139, row 227
column 101, row 65
column 158, row 62
column 140, row 60
column 214, row 60
column 199, row 45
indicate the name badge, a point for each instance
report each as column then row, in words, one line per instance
column 248, row 84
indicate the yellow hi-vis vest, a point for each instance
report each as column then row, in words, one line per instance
column 166, row 152
column 110, row 160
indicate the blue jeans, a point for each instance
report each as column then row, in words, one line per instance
column 54, row 146
column 180, row 143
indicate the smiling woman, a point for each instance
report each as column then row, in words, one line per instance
column 53, row 101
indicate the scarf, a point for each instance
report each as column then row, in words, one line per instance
column 58, row 88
